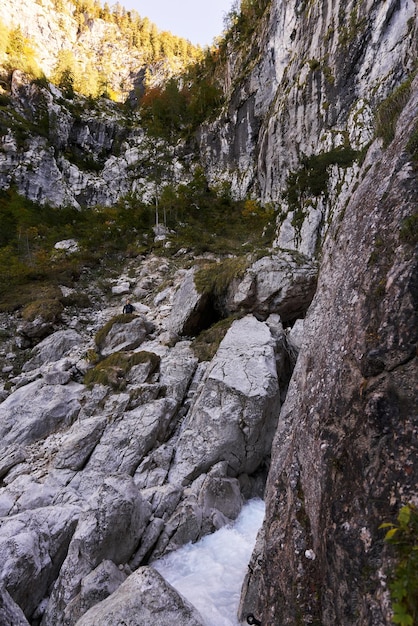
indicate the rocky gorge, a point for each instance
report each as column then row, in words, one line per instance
column 119, row 443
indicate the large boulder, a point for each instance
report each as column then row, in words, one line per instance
column 33, row 546
column 126, row 441
column 79, row 443
column 177, row 369
column 282, row 283
column 111, row 530
column 124, row 332
column 144, row 598
column 191, row 311
column 211, row 502
column 36, row 410
column 52, row 348
column 95, row 587
column 235, row 413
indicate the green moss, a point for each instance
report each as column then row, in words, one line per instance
column 48, row 309
column 19, row 296
column 112, row 371
column 207, row 343
column 76, row 299
column 390, row 110
column 313, row 176
column 412, row 145
column 314, row 64
column 214, row 278
column 4, row 100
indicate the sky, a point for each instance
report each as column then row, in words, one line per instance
column 199, row 21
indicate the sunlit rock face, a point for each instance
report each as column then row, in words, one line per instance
column 53, row 28
column 80, row 158
column 318, row 72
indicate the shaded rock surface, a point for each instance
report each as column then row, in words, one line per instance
column 344, row 454
column 10, row 613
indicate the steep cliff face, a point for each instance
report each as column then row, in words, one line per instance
column 317, row 71
column 344, row 454
column 72, row 153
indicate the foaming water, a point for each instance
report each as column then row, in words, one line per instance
column 210, row 572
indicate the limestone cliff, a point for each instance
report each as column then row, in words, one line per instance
column 310, row 82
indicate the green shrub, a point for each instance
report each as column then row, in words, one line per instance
column 412, row 145
column 4, row 100
column 403, row 584
column 409, row 229
column 311, row 179
column 48, row 309
column 76, row 299
column 215, row 278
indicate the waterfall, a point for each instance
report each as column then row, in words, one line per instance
column 210, row 572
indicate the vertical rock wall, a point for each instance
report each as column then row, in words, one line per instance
column 315, row 73
column 344, row 455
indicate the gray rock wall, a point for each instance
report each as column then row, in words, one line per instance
column 344, row 454
column 317, row 73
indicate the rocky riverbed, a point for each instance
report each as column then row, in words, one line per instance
column 119, row 445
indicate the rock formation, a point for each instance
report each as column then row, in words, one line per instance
column 100, row 478
column 118, row 445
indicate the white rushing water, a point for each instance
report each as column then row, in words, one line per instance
column 210, row 573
